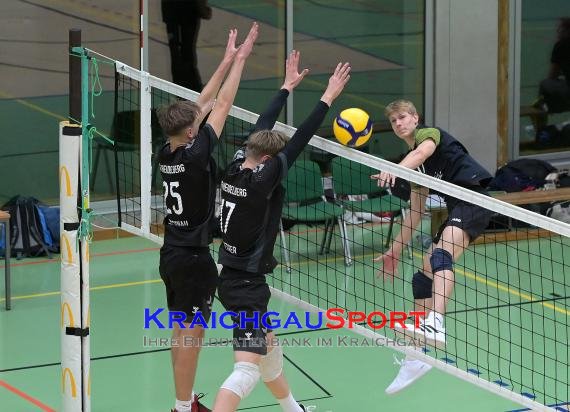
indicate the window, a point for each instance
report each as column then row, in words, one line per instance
column 543, row 89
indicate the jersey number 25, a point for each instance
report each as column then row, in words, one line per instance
column 169, row 189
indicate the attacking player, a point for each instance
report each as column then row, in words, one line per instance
column 187, row 168
column 434, row 152
column 252, row 200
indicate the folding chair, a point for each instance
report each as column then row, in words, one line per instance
column 351, row 178
column 304, row 190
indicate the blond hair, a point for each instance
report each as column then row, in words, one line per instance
column 265, row 142
column 176, row 117
column 399, row 106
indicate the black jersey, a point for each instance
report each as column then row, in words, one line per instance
column 450, row 161
column 252, row 200
column 188, row 178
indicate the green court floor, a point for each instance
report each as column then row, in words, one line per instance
column 508, row 320
column 128, row 376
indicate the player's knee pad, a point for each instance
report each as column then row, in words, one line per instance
column 421, row 286
column 243, row 379
column 441, row 260
column 271, row 365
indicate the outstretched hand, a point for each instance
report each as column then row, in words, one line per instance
column 231, row 49
column 245, row 49
column 384, row 179
column 389, row 262
column 337, row 81
column 292, row 75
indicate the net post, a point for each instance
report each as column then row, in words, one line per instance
column 146, row 152
column 69, row 142
column 74, row 77
column 74, row 226
column 74, row 330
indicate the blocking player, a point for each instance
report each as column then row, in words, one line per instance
column 252, row 200
column 187, row 168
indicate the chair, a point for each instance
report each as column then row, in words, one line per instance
column 351, row 178
column 304, row 190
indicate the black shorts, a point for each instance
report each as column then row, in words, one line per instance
column 190, row 276
column 241, row 291
column 473, row 219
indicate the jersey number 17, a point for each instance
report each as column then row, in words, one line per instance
column 224, row 223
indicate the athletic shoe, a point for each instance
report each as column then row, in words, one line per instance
column 197, row 406
column 410, row 371
column 427, row 332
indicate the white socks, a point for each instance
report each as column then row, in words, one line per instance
column 289, row 404
column 183, row 406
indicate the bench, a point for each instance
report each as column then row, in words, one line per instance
column 439, row 214
column 531, row 111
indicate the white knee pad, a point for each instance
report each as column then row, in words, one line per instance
column 271, row 365
column 243, row 379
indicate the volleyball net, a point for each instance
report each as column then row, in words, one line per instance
column 507, row 319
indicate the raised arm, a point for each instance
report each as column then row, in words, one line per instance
column 411, row 221
column 228, row 91
column 308, row 128
column 292, row 78
column 213, row 86
column 409, row 224
column 413, row 160
column 419, row 155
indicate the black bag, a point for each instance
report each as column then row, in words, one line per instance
column 30, row 235
column 521, row 175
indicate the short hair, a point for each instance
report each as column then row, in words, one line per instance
column 265, row 142
column 399, row 106
column 177, row 116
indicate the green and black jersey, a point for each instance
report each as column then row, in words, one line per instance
column 451, row 161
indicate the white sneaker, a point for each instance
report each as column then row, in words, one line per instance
column 410, row 371
column 427, row 332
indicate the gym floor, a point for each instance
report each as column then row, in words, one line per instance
column 128, row 376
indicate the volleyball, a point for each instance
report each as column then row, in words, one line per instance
column 352, row 127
